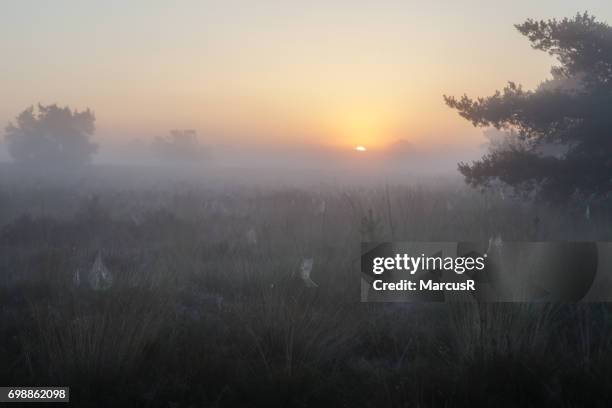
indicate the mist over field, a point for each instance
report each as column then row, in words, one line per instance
column 132, row 285
column 399, row 157
column 308, row 167
column 189, row 194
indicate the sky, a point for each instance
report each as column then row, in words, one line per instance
column 323, row 74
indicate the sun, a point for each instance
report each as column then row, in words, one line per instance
column 360, row 148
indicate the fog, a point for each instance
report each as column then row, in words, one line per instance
column 135, row 161
column 192, row 196
column 400, row 162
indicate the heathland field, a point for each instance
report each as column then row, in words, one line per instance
column 191, row 295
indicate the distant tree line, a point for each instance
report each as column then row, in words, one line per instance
column 50, row 136
column 180, row 146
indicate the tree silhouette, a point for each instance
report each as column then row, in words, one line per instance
column 180, row 146
column 51, row 136
column 560, row 134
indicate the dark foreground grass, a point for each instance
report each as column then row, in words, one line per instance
column 203, row 312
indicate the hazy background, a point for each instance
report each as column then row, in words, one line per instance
column 210, row 256
column 275, row 84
